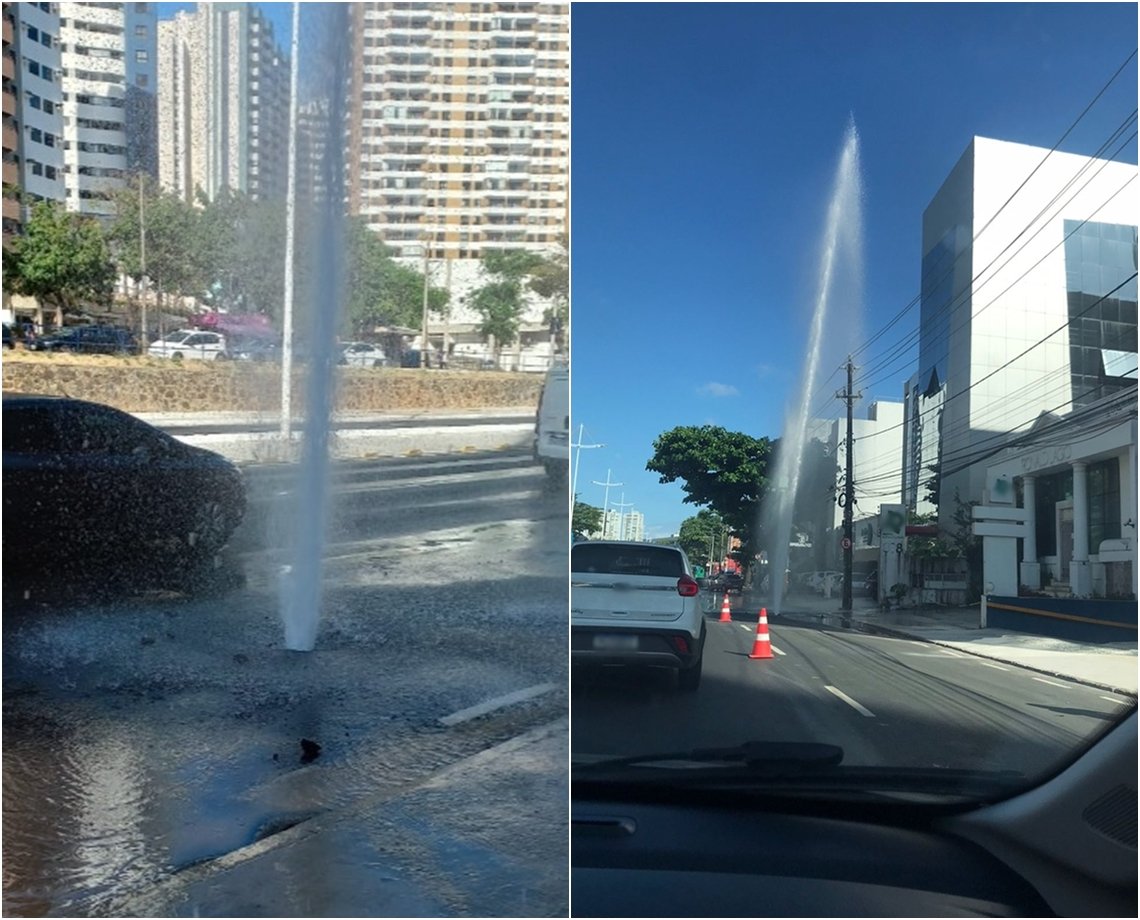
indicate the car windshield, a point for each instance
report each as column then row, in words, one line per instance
column 856, row 329
column 284, row 629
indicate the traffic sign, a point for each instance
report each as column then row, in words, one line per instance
column 847, row 543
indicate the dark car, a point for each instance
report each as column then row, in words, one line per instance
column 732, row 583
column 255, row 350
column 94, row 339
column 9, row 342
column 91, row 490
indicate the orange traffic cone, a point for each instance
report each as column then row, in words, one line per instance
column 762, row 647
column 725, row 612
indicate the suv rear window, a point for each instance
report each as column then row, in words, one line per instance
column 626, row 560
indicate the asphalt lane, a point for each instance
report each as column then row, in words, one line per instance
column 885, row 701
column 156, row 737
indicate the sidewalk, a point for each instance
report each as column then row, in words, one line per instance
column 255, row 437
column 1111, row 666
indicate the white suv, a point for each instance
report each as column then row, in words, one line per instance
column 636, row 604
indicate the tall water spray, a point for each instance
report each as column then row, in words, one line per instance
column 301, row 594
column 834, row 325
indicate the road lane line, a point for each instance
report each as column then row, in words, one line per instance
column 850, row 702
column 990, row 664
column 1052, row 683
column 1114, row 699
column 497, row 702
column 777, row 651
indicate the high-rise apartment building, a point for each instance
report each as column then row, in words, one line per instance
column 223, row 103
column 107, row 55
column 1028, row 307
column 35, row 125
column 11, row 125
column 458, row 135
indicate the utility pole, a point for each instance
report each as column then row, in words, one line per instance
column 848, row 497
column 424, row 360
column 577, row 457
column 606, row 503
column 143, row 342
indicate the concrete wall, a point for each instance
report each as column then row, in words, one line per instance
column 153, row 385
column 1076, row 620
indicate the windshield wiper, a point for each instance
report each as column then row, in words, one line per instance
column 775, row 757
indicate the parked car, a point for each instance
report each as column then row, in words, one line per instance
column 190, row 343
column 636, row 604
column 552, row 424
column 362, row 354
column 254, row 349
column 88, row 487
column 732, row 583
column 90, row 339
column 9, row 342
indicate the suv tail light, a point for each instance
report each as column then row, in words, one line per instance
column 687, row 586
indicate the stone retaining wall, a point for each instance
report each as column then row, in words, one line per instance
column 155, row 385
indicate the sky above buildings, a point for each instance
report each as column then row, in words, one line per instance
column 705, row 139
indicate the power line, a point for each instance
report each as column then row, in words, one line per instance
column 917, row 299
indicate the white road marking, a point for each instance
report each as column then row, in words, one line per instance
column 863, row 710
column 1052, row 683
column 774, row 649
column 996, row 667
column 497, row 702
column 1114, row 699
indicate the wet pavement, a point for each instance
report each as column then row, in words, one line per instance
column 153, row 759
column 1112, row 666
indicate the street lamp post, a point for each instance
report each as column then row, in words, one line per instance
column 606, row 502
column 623, row 504
column 577, row 457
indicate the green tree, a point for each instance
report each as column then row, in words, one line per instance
column 586, row 519
column 702, row 536
column 381, row 291
column 550, row 279
column 176, row 255
column 500, row 302
column 242, row 246
column 62, row 258
column 726, row 471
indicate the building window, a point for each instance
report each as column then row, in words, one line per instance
column 141, row 57
column 140, row 31
column 1104, row 502
column 142, row 80
column 36, row 135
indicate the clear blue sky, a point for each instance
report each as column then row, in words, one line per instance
column 705, row 138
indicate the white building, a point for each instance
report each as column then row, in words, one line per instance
column 107, row 54
column 619, row 526
column 1066, row 490
column 1027, row 306
column 40, row 145
column 223, row 103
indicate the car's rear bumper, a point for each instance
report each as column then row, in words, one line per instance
column 675, row 648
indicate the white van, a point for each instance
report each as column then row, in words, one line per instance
column 552, row 423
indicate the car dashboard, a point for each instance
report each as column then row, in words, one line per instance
column 1065, row 848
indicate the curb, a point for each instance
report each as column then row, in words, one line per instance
column 895, row 633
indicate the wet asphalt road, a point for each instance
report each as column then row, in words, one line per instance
column 886, row 701
column 151, row 737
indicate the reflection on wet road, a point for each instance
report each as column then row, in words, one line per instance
column 150, row 739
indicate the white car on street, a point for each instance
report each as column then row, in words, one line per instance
column 636, row 604
column 362, row 354
column 190, row 343
column 552, row 424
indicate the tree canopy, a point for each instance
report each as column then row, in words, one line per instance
column 701, row 536
column 62, row 258
column 586, row 519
